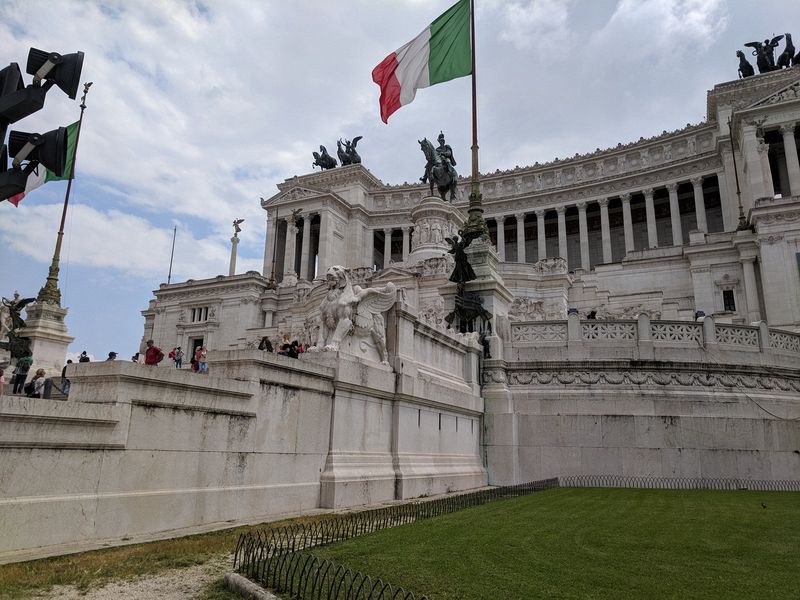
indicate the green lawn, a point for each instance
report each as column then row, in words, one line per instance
column 595, row 543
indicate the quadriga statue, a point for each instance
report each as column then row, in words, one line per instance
column 349, row 309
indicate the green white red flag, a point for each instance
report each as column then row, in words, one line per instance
column 41, row 175
column 440, row 53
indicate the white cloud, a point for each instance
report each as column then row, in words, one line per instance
column 539, row 24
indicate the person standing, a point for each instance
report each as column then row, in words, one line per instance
column 2, row 382
column 21, row 373
column 65, row 383
column 153, row 355
column 202, row 362
column 178, row 357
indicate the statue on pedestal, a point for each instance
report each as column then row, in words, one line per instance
column 440, row 167
column 353, row 310
column 11, row 322
column 346, row 150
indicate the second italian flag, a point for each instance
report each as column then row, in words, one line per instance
column 440, row 53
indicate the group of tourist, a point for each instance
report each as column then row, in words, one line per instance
column 292, row 349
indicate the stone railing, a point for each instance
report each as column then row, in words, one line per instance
column 645, row 339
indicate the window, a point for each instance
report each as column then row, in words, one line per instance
column 199, row 314
column 728, row 301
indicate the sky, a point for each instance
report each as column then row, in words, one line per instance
column 200, row 108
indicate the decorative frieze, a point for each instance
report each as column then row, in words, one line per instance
column 703, row 379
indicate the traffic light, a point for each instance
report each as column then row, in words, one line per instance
column 17, row 101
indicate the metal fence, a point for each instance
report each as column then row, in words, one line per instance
column 678, row 483
column 277, row 558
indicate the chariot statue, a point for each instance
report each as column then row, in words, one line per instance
column 439, row 167
column 349, row 309
column 322, row 159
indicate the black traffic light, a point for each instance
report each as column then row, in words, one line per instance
column 18, row 101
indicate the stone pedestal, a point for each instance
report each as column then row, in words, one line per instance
column 45, row 327
column 434, row 220
column 232, row 266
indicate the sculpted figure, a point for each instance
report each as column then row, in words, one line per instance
column 745, row 68
column 786, row 57
column 439, row 167
column 12, row 310
column 349, row 309
column 765, row 53
column 323, row 160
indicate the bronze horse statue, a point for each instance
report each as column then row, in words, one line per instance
column 322, row 159
column 436, row 172
column 745, row 68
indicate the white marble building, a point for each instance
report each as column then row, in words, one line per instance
column 651, row 226
column 644, row 235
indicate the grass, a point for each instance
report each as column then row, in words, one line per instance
column 594, row 543
column 95, row 568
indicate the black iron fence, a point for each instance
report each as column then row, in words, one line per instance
column 678, row 483
column 277, row 558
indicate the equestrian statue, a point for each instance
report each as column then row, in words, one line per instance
column 439, row 167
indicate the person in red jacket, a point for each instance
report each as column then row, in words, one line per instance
column 153, row 355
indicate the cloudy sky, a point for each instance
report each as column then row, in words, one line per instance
column 199, row 108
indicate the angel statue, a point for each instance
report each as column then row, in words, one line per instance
column 236, row 228
column 349, row 309
column 11, row 311
column 462, row 270
column 347, row 151
column 765, row 53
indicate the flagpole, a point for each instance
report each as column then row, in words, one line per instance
column 476, row 225
column 50, row 292
column 172, row 254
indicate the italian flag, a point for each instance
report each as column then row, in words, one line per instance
column 41, row 175
column 440, row 53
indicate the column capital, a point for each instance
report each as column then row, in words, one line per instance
column 648, row 192
column 519, row 216
column 581, row 206
column 747, row 259
column 697, row 181
column 388, row 230
column 787, row 128
column 626, row 198
column 672, row 188
column 603, row 202
column 561, row 210
column 539, row 212
column 406, row 228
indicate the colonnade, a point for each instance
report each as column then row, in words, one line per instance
column 653, row 240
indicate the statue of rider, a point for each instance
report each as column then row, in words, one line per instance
column 446, row 153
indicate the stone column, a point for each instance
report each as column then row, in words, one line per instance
column 232, row 266
column 288, row 257
column 541, row 240
column 652, row 231
column 562, row 233
column 520, row 237
column 306, row 247
column 792, row 163
column 627, row 222
column 501, row 238
column 406, row 242
column 325, row 235
column 675, row 214
column 584, row 236
column 605, row 230
column 387, row 247
column 750, row 289
column 758, row 178
column 269, row 243
column 699, row 204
